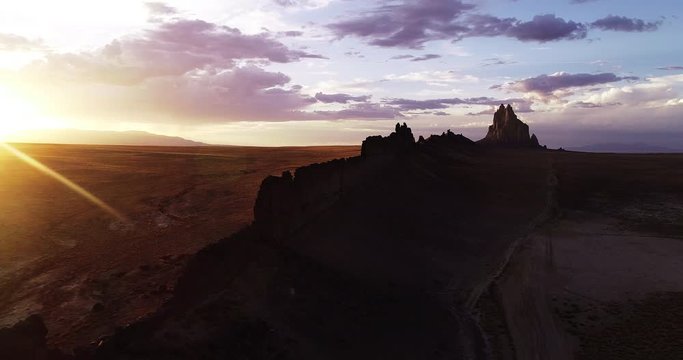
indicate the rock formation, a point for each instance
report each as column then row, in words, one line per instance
column 399, row 142
column 449, row 139
column 508, row 131
column 374, row 256
column 27, row 340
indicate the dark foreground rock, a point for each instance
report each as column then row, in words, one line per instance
column 377, row 256
column 26, row 340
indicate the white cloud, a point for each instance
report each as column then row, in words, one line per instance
column 435, row 78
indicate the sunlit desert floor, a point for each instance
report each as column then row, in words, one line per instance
column 87, row 272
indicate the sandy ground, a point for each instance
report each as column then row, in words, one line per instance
column 570, row 281
column 87, row 273
column 601, row 281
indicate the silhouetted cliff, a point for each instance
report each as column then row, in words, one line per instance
column 370, row 257
column 287, row 202
column 397, row 143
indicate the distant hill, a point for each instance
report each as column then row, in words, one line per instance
column 93, row 137
column 624, row 148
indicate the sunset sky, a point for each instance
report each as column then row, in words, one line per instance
column 297, row 72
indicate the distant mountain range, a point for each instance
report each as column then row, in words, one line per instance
column 93, row 137
column 624, row 148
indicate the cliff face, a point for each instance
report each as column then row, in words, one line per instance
column 370, row 257
column 508, row 131
column 286, row 203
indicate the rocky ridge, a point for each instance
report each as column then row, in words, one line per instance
column 315, row 236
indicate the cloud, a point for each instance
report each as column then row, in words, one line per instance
column 169, row 48
column 497, row 61
column 409, row 24
column 179, row 71
column 544, row 28
column 401, row 57
column 412, row 23
column 160, row 8
column 589, row 105
column 291, row 33
column 340, row 98
column 521, row 105
column 426, row 57
column 653, row 92
column 309, row 4
column 621, row 23
column 670, row 68
column 434, row 77
column 546, row 85
column 12, row 42
column 363, row 111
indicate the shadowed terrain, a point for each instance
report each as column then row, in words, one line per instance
column 389, row 263
column 87, row 273
column 438, row 248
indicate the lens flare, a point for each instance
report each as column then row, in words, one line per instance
column 68, row 183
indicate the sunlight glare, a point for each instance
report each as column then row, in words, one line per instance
column 17, row 114
column 68, row 183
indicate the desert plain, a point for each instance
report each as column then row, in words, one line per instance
column 87, row 272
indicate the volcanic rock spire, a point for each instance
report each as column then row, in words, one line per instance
column 508, row 131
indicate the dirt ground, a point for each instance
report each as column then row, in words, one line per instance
column 87, row 272
column 602, row 279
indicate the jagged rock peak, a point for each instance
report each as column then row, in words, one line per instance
column 398, row 142
column 404, row 133
column 507, row 130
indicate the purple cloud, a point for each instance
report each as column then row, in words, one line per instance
column 590, row 105
column 171, row 48
column 426, row 57
column 291, row 33
column 544, row 28
column 437, row 104
column 340, row 98
column 411, row 23
column 496, row 61
column 408, row 24
column 670, row 68
column 362, row 111
column 545, row 85
column 12, row 42
column 159, row 8
column 621, row 23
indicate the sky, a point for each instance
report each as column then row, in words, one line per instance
column 305, row 72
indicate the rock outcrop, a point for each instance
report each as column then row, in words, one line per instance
column 26, row 340
column 285, row 203
column 398, row 143
column 508, row 131
column 449, row 139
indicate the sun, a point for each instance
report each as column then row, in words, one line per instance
column 17, row 114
